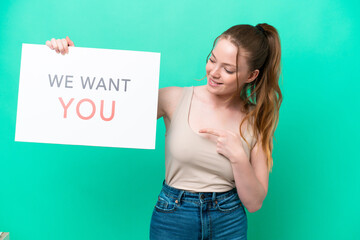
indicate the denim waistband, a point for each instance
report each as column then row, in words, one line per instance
column 192, row 196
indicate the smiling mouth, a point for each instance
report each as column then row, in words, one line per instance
column 212, row 82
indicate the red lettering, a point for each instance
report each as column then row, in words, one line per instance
column 102, row 111
column 65, row 106
column 78, row 109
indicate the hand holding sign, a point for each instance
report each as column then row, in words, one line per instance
column 60, row 45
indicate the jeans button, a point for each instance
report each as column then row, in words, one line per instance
column 202, row 196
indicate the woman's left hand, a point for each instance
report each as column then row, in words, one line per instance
column 228, row 144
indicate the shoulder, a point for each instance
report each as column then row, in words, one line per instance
column 169, row 91
column 169, row 95
column 168, row 100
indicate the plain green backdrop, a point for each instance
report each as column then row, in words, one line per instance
column 53, row 192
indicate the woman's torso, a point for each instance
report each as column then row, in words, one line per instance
column 191, row 160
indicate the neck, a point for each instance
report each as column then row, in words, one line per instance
column 220, row 101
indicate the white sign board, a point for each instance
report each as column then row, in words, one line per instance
column 93, row 97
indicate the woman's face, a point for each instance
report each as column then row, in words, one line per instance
column 221, row 69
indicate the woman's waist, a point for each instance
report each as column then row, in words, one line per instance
column 196, row 195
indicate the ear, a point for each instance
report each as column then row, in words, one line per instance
column 253, row 75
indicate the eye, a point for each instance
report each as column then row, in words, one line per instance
column 211, row 60
column 230, row 72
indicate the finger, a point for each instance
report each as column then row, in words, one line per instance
column 60, row 45
column 70, row 43
column 210, row 131
column 65, row 44
column 48, row 43
column 219, row 149
column 54, row 44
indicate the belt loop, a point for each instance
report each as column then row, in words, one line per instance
column 214, row 202
column 214, row 196
column 178, row 200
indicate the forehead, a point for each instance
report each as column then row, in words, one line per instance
column 225, row 50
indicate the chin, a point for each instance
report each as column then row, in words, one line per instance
column 211, row 89
column 215, row 91
column 219, row 91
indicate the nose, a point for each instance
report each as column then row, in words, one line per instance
column 215, row 72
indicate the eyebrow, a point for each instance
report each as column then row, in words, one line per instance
column 228, row 64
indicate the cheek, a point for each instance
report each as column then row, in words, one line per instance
column 232, row 79
column 208, row 67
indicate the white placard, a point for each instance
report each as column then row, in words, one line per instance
column 91, row 96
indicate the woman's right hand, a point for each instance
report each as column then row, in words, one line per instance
column 60, row 45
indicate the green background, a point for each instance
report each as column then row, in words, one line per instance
column 51, row 192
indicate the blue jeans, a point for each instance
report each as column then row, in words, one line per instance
column 185, row 215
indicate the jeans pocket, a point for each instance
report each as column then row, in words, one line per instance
column 229, row 203
column 165, row 203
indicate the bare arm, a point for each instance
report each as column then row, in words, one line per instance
column 167, row 101
column 251, row 179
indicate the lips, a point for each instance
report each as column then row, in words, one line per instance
column 214, row 83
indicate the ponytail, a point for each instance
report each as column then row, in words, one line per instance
column 262, row 97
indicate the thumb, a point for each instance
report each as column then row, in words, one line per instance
column 70, row 43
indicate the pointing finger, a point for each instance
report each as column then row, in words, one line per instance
column 210, row 131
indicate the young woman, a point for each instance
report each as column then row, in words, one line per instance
column 218, row 147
